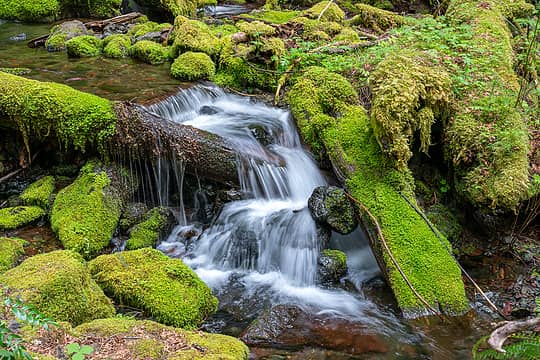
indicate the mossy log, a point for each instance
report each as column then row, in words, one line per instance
column 45, row 112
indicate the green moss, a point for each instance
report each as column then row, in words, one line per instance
column 272, row 16
column 165, row 288
column 193, row 35
column 325, row 111
column 192, row 66
column 16, row 71
column 146, row 233
column 223, row 30
column 15, row 217
column 59, row 286
column 255, row 29
column 150, row 52
column 37, row 10
column 85, row 213
column 61, row 33
column 104, row 9
column 147, row 349
column 318, row 30
column 372, row 18
column 332, row 12
column 445, row 221
column 347, row 34
column 39, row 193
column 407, row 103
column 56, row 42
column 147, row 27
column 40, row 109
column 116, row 46
column 10, row 251
column 220, row 347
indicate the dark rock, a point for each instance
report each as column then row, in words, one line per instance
column 208, row 110
column 445, row 221
column 133, row 214
column 329, row 205
column 64, row 32
column 154, row 36
column 112, row 29
column 332, row 266
column 18, row 37
column 289, row 326
column 262, row 135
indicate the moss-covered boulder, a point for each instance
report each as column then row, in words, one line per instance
column 15, row 217
column 50, row 10
column 59, row 34
column 165, row 288
column 376, row 19
column 193, row 35
column 44, row 110
column 192, row 66
column 59, row 285
column 39, row 193
column 140, row 30
column 150, row 52
column 255, row 29
column 330, row 206
column 157, row 222
column 332, row 266
column 84, row 46
column 116, row 46
column 323, row 104
column 86, row 213
column 10, row 251
column 330, row 12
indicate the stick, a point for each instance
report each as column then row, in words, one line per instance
column 498, row 337
column 324, row 10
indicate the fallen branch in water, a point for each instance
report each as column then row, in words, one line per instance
column 500, row 335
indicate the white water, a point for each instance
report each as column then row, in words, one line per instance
column 269, row 241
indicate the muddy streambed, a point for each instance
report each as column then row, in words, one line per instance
column 419, row 339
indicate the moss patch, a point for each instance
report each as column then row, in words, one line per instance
column 10, row 251
column 146, row 233
column 150, row 52
column 39, row 193
column 372, row 18
column 165, row 288
column 116, row 46
column 193, row 35
column 37, row 10
column 15, row 217
column 331, row 13
column 85, row 213
column 59, row 285
column 192, row 66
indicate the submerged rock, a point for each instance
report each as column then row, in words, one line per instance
column 59, row 285
column 165, row 288
column 15, row 217
column 289, row 326
column 332, row 266
column 10, row 250
column 329, row 205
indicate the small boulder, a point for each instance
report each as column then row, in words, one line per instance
column 116, row 46
column 10, row 251
column 150, row 52
column 330, row 206
column 324, row 11
column 18, row 37
column 165, row 288
column 15, row 217
column 84, row 46
column 157, row 223
column 39, row 193
column 132, row 214
column 191, row 66
column 332, row 266
column 64, row 32
column 59, row 285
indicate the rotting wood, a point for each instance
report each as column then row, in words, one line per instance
column 500, row 335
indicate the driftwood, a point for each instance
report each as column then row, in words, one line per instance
column 208, row 155
column 498, row 337
column 96, row 25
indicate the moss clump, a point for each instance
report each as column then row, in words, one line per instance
column 103, row 8
column 146, row 233
column 318, row 30
column 165, row 288
column 15, row 217
column 407, row 102
column 332, row 266
column 10, row 251
column 372, row 18
column 332, row 12
column 84, row 46
column 192, row 66
column 176, row 7
column 37, row 10
column 150, row 52
column 59, row 34
column 16, row 71
column 116, row 46
column 180, row 344
column 445, row 221
column 40, row 109
column 347, row 34
column 85, row 213
column 193, row 35
column 147, row 27
column 39, row 193
column 59, row 285
column 255, row 29
column 323, row 104
column 272, row 16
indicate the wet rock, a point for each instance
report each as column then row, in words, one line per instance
column 208, row 110
column 329, row 205
column 154, row 36
column 133, row 213
column 64, row 32
column 324, row 234
column 262, row 135
column 157, row 223
column 332, row 266
column 112, row 29
column 289, row 326
column 445, row 221
column 18, row 37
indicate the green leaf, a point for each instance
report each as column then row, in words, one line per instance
column 73, row 348
column 86, row 349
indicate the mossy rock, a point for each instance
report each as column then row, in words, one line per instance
column 59, row 285
column 330, row 206
column 165, row 288
column 192, row 66
column 271, row 16
column 36, row 10
column 84, row 46
column 347, row 34
column 193, row 35
column 332, row 266
column 372, row 18
column 150, row 52
column 39, row 193
column 445, row 221
column 144, row 28
column 256, row 29
column 59, row 34
column 323, row 104
column 85, row 214
column 174, row 7
column 331, row 13
column 15, row 217
column 147, row 233
column 58, row 111
column 116, row 46
column 10, row 251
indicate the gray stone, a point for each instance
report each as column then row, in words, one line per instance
column 330, row 206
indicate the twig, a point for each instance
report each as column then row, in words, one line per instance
column 389, row 252
column 324, row 10
column 498, row 337
column 13, row 173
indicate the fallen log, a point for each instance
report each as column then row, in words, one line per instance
column 50, row 112
column 500, row 335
